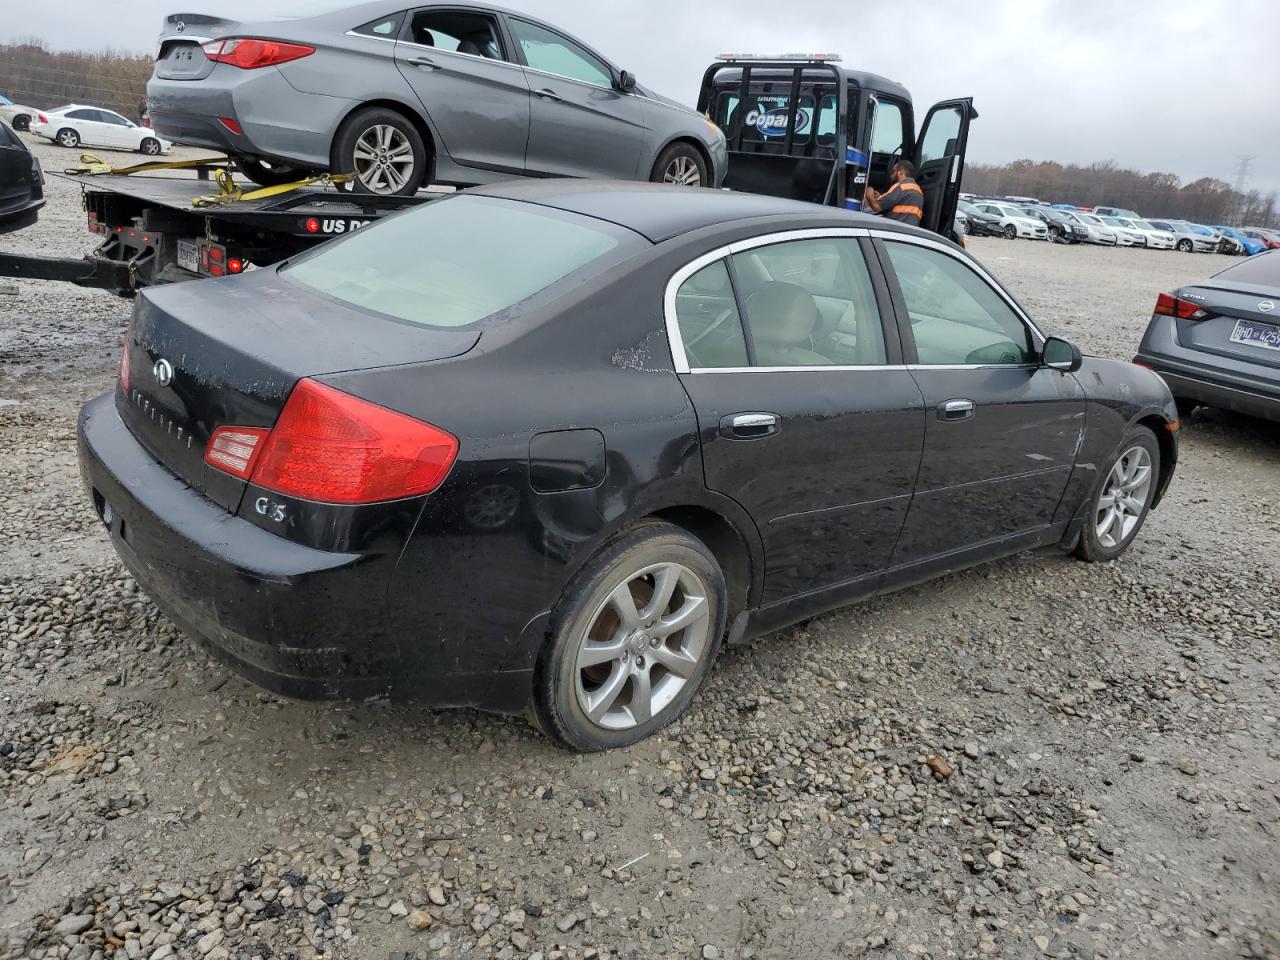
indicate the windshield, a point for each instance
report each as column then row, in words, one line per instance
column 1114, row 222
column 1143, row 225
column 1090, row 219
column 458, row 260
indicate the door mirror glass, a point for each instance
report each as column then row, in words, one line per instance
column 1061, row 355
column 627, row 82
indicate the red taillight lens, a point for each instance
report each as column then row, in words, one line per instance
column 313, row 225
column 235, row 265
column 42, row 118
column 250, row 53
column 235, row 449
column 335, row 448
column 1167, row 305
column 231, row 124
column 124, row 368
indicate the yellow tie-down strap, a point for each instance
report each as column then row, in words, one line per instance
column 91, row 165
column 229, row 191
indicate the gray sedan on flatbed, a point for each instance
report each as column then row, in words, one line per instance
column 1217, row 342
column 404, row 97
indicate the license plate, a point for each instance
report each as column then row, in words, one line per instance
column 188, row 256
column 1256, row 334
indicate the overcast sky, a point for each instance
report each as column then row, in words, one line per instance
column 1186, row 86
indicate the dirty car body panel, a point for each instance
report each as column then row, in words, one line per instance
column 577, row 414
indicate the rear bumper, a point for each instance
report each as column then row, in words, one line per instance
column 301, row 622
column 1208, row 379
column 277, row 121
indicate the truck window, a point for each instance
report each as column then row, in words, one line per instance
column 887, row 128
column 943, row 130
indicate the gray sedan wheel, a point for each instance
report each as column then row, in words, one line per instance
column 1185, row 245
column 384, row 151
column 681, row 165
column 1123, row 498
column 633, row 640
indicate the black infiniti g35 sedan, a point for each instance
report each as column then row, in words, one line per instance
column 546, row 446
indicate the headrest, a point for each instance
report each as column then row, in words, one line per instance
column 782, row 313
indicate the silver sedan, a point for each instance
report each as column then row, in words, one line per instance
column 457, row 94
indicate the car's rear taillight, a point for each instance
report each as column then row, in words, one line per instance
column 235, row 449
column 42, row 118
column 331, row 447
column 250, row 53
column 124, row 368
column 1167, row 305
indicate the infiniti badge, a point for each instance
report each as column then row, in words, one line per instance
column 163, row 371
column 1266, row 306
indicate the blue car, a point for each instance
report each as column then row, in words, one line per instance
column 1251, row 246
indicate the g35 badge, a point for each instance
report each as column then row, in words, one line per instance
column 272, row 511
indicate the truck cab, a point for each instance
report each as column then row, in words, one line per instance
column 806, row 128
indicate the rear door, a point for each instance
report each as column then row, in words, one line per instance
column 457, row 62
column 581, row 125
column 939, row 159
column 808, row 418
column 92, row 131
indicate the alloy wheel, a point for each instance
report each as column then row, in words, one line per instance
column 683, row 172
column 645, row 642
column 68, row 139
column 383, row 159
column 151, row 147
column 1124, row 497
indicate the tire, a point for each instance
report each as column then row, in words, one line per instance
column 68, row 138
column 1010, row 232
column 150, row 146
column 385, row 151
column 683, row 165
column 1056, row 235
column 1107, row 533
column 268, row 174
column 589, row 621
column 1186, row 406
column 1185, row 245
column 22, row 123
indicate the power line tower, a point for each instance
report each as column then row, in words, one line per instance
column 1242, row 173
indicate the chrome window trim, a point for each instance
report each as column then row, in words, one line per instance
column 370, row 36
column 680, row 360
column 581, row 83
column 450, row 53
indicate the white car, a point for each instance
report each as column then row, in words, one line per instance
column 16, row 115
column 1126, row 236
column 77, row 124
column 1015, row 222
column 1099, row 234
column 1156, row 239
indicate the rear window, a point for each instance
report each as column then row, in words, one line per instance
column 1263, row 268
column 455, row 261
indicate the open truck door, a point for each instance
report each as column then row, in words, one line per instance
column 939, row 160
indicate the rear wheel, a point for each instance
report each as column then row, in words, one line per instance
column 22, row 122
column 1010, row 232
column 68, row 138
column 682, row 165
column 1123, row 499
column 384, row 151
column 633, row 640
column 268, row 173
column 1185, row 245
column 150, row 146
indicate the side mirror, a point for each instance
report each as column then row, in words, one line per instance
column 627, row 82
column 1061, row 355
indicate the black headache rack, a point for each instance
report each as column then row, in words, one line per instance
column 154, row 232
column 791, row 155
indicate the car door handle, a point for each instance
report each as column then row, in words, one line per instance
column 953, row 411
column 749, row 426
column 547, row 94
column 426, row 62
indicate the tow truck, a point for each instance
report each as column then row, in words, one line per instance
column 798, row 126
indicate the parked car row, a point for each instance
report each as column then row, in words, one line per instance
column 1013, row 217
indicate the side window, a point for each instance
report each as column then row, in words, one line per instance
column 886, row 133
column 707, row 314
column 83, row 115
column 106, row 116
column 457, row 31
column 956, row 317
column 810, row 303
column 387, row 28
column 552, row 53
column 942, row 131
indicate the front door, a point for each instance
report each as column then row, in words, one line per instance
column 468, row 84
column 803, row 420
column 939, row 159
column 581, row 125
column 1001, row 429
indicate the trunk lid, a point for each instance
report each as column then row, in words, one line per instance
column 212, row 353
column 1235, row 309
column 180, row 56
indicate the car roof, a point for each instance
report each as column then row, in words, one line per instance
column 660, row 212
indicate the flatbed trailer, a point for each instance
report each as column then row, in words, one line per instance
column 159, row 228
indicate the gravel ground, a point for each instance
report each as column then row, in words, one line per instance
column 1034, row 758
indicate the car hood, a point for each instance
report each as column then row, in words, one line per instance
column 666, row 101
